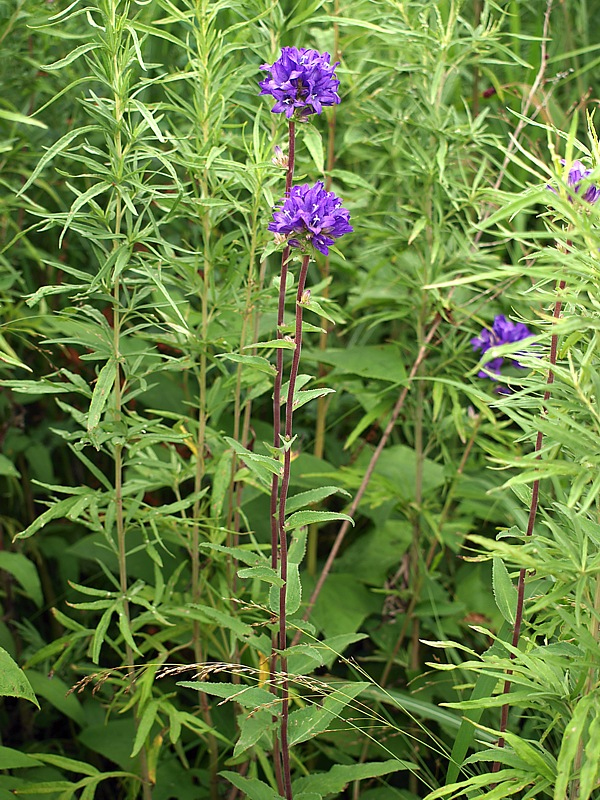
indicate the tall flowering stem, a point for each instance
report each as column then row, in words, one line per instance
column 277, row 435
column 279, row 359
column 302, row 82
column 310, row 218
column 283, row 546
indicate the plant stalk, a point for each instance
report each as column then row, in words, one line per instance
column 283, row 547
column 280, row 750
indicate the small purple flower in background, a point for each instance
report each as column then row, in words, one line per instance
column 576, row 175
column 311, row 216
column 503, row 332
column 302, row 82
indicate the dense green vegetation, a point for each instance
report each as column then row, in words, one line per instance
column 139, row 596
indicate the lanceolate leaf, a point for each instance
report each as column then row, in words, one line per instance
column 104, row 384
column 339, row 776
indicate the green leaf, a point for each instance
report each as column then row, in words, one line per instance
column 573, row 735
column 13, row 681
column 102, row 390
column 302, row 397
column 251, row 788
column 144, row 726
column 15, row 759
column 56, row 511
column 301, row 518
column 303, row 499
column 251, row 697
column 252, row 727
column 590, row 767
column 70, row 764
column 504, row 591
column 352, row 602
column 383, row 362
column 72, row 56
column 314, row 144
column 484, row 687
column 339, row 776
column 308, row 722
column 256, row 362
column 221, row 483
column 13, row 116
column 24, row 570
column 53, row 151
column 263, row 573
column 7, row 468
column 272, row 344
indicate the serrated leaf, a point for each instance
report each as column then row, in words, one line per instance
column 301, row 518
column 251, row 788
column 272, row 344
column 256, row 362
column 13, row 681
column 339, row 776
column 305, row 396
column 251, row 697
column 263, row 573
column 307, row 722
column 303, row 499
column 252, row 727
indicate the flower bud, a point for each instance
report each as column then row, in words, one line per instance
column 280, row 159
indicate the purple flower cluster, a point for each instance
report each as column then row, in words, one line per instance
column 311, row 216
column 576, row 176
column 302, row 82
column 503, row 332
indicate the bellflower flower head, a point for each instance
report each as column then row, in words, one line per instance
column 302, row 82
column 311, row 216
column 578, row 173
column 503, row 332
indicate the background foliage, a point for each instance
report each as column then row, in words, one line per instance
column 136, row 279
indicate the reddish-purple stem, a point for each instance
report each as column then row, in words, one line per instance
column 277, row 750
column 535, row 491
column 283, row 548
column 279, row 358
